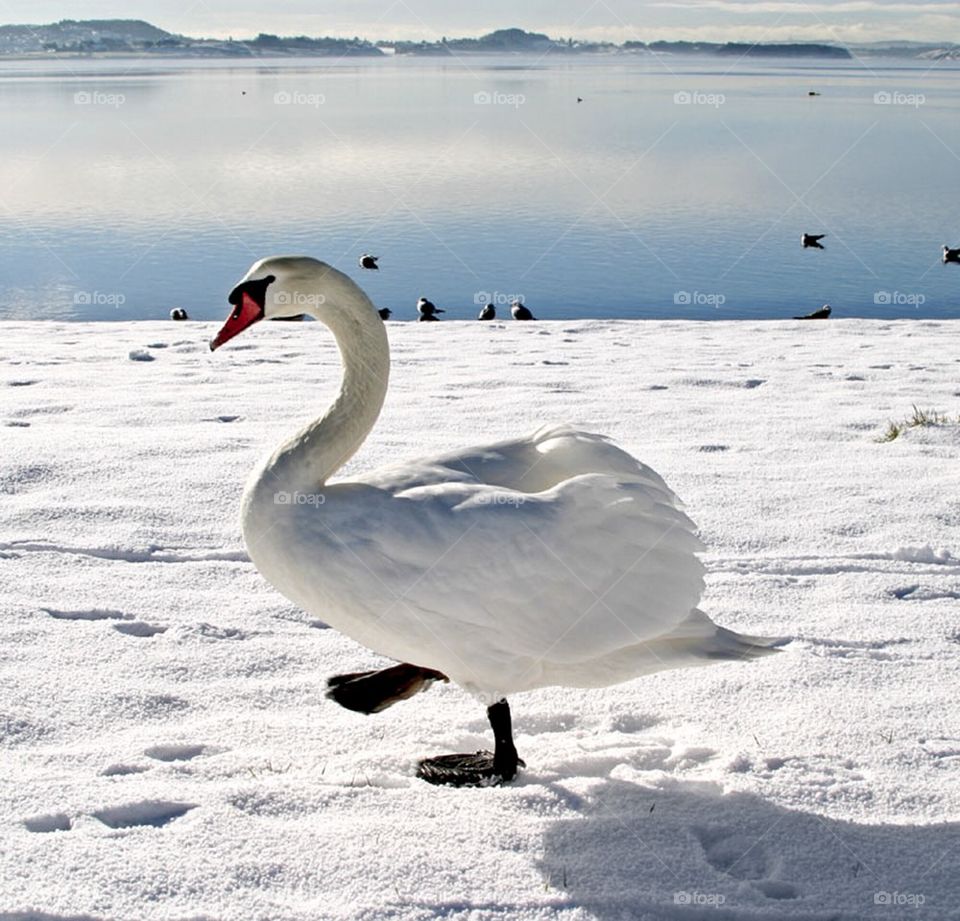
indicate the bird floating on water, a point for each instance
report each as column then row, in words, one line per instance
column 178, row 313
column 551, row 560
column 369, row 262
column 812, row 240
column 822, row 314
column 951, row 255
column 488, row 313
column 519, row 312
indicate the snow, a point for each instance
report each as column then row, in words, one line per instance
column 167, row 750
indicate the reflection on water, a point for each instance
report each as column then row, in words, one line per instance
column 677, row 188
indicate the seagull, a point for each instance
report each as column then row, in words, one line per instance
column 951, row 255
column 520, row 312
column 369, row 262
column 488, row 313
column 384, row 313
column 178, row 313
column 822, row 314
column 812, row 240
column 427, row 310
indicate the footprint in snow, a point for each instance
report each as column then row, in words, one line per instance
column 175, row 752
column 139, row 628
column 155, row 813
column 44, row 824
column 17, row 424
column 742, row 857
column 88, row 614
column 123, row 770
column 25, row 383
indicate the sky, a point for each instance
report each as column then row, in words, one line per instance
column 612, row 20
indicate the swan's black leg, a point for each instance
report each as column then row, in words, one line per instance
column 482, row 768
column 371, row 692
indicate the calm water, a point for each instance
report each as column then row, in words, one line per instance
column 130, row 187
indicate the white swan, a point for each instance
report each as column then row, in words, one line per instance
column 556, row 559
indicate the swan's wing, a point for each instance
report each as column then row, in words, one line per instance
column 532, row 464
column 498, row 588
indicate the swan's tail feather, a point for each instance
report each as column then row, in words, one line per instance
column 726, row 644
column 371, row 692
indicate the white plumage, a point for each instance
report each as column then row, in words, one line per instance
column 555, row 559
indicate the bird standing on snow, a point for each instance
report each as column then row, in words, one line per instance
column 431, row 562
column 519, row 312
column 384, row 313
column 427, row 312
column 178, row 313
column 812, row 240
column 488, row 313
column 369, row 262
column 950, row 255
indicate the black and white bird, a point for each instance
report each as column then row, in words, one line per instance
column 822, row 314
column 488, row 313
column 369, row 262
column 519, row 312
column 812, row 240
column 427, row 311
column 951, row 255
column 178, row 313
column 384, row 313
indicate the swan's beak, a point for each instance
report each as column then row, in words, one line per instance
column 245, row 314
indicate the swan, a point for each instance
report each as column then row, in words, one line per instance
column 555, row 559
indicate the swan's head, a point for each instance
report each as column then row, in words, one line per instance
column 288, row 286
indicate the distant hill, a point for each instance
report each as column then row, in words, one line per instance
column 134, row 36
column 86, row 35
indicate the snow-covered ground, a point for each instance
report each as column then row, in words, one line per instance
column 167, row 749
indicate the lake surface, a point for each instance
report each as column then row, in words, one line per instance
column 678, row 187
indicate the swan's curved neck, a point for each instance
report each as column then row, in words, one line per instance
column 308, row 459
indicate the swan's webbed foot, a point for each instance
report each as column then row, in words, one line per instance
column 481, row 769
column 477, row 770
